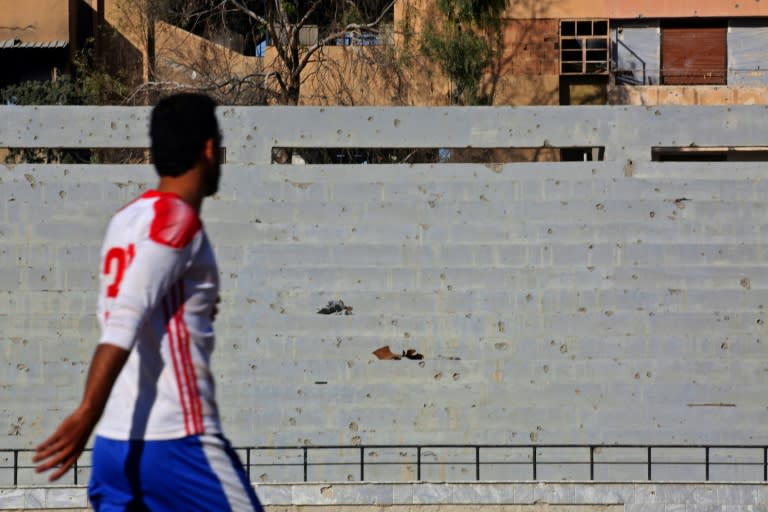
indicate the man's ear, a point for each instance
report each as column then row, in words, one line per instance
column 209, row 150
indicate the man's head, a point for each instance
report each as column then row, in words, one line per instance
column 183, row 130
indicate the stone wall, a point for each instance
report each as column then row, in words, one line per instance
column 614, row 301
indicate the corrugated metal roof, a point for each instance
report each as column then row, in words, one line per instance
column 9, row 44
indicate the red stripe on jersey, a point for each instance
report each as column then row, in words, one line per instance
column 189, row 368
column 177, row 345
column 175, row 223
column 168, row 307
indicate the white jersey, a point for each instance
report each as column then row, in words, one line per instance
column 158, row 287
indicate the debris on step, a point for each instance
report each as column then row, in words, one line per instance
column 335, row 307
column 412, row 354
column 386, row 353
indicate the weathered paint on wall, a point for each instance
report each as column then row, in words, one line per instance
column 528, row 90
column 687, row 95
column 35, row 20
column 531, row 47
column 183, row 57
column 681, row 8
column 747, row 60
column 635, row 47
column 628, row 9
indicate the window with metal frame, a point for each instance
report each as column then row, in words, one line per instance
column 584, row 47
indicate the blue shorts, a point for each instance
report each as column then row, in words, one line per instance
column 193, row 473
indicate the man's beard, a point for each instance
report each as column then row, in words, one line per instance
column 212, row 177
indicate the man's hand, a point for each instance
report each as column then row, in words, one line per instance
column 65, row 445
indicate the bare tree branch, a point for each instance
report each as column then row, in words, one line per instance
column 283, row 28
column 310, row 11
column 242, row 8
column 352, row 27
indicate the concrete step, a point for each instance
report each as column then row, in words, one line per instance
column 334, row 280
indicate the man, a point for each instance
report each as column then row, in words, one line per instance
column 158, row 444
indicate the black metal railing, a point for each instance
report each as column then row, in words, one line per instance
column 533, row 458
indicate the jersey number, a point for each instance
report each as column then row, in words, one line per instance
column 119, row 258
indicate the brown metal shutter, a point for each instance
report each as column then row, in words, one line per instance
column 693, row 55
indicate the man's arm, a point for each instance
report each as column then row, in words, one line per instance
column 160, row 259
column 66, row 444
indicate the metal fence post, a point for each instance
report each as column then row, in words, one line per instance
column 706, row 463
column 534, row 462
column 418, row 463
column 477, row 463
column 362, row 463
column 649, row 463
column 591, row 463
column 305, row 463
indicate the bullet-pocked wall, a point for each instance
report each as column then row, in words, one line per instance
column 619, row 300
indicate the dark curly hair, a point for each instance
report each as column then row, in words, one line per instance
column 179, row 127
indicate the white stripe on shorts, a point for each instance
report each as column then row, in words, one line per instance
column 221, row 464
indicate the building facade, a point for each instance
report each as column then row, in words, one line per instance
column 37, row 39
column 569, row 52
column 637, row 52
